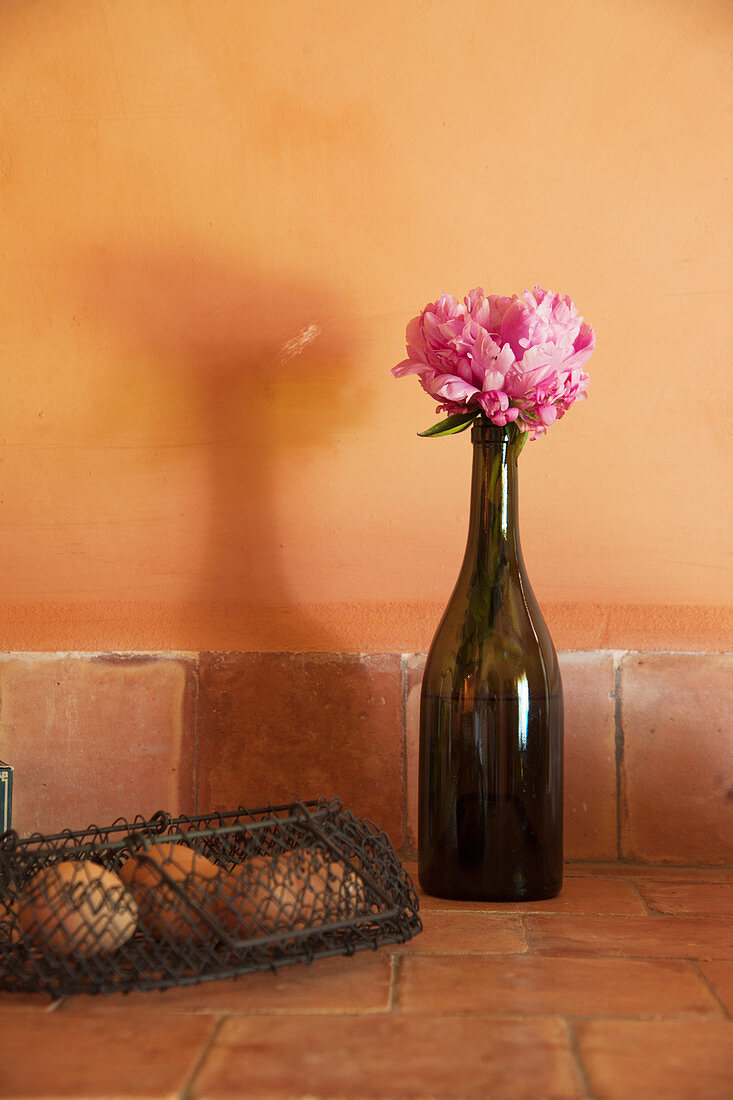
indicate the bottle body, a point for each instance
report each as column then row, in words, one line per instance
column 491, row 715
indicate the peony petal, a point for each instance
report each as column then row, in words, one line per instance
column 452, row 388
column 410, row 366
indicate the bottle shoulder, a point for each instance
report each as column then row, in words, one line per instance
column 494, row 639
column 502, row 609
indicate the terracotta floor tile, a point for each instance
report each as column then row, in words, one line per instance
column 632, row 937
column 94, row 1057
column 652, row 871
column 340, row 984
column 590, row 755
column 720, row 976
column 274, row 727
column 456, row 933
column 657, row 1060
column 678, row 757
column 578, row 895
column 529, row 984
column 93, row 738
column 699, row 899
column 389, row 1058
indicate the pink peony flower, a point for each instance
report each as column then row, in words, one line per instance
column 516, row 360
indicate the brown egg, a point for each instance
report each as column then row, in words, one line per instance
column 294, row 890
column 166, row 910
column 78, row 907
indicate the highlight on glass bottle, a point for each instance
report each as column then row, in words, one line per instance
column 491, row 717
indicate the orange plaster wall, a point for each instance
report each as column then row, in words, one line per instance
column 217, row 220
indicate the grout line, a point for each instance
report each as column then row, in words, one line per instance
column 574, row 1044
column 571, row 957
column 633, row 887
column 304, row 1013
column 174, row 654
column 588, row 866
column 695, row 964
column 467, row 952
column 185, row 1092
column 394, row 977
column 403, row 685
column 197, row 680
column 521, row 920
column 619, row 743
column 438, row 1014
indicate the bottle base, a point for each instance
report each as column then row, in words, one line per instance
column 459, row 892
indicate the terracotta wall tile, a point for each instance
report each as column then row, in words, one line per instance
column 275, row 727
column 676, row 714
column 92, row 738
column 590, row 756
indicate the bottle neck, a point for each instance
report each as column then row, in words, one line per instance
column 493, row 531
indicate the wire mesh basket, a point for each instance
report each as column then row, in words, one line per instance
column 149, row 904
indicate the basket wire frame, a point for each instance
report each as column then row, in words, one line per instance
column 153, row 903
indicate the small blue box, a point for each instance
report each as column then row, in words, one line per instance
column 6, row 796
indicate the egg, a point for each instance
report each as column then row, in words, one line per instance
column 294, row 890
column 76, row 907
column 166, row 910
column 291, row 891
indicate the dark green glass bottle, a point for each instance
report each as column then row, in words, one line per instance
column 491, row 713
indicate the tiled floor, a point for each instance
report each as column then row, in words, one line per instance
column 621, row 989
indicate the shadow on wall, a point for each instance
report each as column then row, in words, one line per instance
column 262, row 363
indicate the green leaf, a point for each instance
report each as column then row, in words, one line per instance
column 452, row 424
